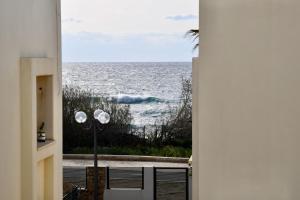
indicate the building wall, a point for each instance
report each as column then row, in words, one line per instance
column 28, row 28
column 248, row 100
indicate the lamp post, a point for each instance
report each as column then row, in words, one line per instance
column 99, row 117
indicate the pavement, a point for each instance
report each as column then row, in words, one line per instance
column 109, row 163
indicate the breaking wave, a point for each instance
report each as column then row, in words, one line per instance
column 134, row 99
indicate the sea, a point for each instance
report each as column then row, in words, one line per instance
column 151, row 88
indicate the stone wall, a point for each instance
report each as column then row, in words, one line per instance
column 88, row 193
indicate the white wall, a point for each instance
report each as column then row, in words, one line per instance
column 248, row 101
column 28, row 28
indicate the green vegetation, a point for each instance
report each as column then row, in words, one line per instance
column 171, row 136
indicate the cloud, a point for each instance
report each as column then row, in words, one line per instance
column 181, row 17
column 147, row 39
column 71, row 20
column 88, row 46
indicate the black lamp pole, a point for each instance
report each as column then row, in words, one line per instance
column 99, row 117
column 95, row 162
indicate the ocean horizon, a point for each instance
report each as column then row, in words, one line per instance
column 151, row 88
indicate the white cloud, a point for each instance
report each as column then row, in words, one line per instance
column 71, row 20
column 127, row 30
column 95, row 47
column 128, row 16
column 182, row 17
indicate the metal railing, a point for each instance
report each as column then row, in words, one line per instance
column 149, row 183
column 132, row 177
column 173, row 182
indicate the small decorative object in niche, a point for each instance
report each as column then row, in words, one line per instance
column 41, row 134
column 41, row 91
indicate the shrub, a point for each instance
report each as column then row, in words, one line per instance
column 173, row 137
column 75, row 135
column 176, row 129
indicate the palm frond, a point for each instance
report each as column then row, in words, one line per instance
column 194, row 34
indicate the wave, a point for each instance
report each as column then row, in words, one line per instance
column 134, row 99
column 155, row 112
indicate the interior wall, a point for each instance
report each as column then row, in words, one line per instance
column 28, row 28
column 248, row 101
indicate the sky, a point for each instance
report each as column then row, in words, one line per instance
column 128, row 30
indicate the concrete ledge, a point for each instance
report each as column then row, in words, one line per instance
column 125, row 158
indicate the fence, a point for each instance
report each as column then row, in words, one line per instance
column 171, row 183
column 139, row 183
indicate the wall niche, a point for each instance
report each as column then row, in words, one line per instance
column 44, row 103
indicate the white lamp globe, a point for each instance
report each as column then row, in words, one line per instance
column 97, row 114
column 80, row 117
column 104, row 118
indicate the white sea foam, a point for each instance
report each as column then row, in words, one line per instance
column 134, row 99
